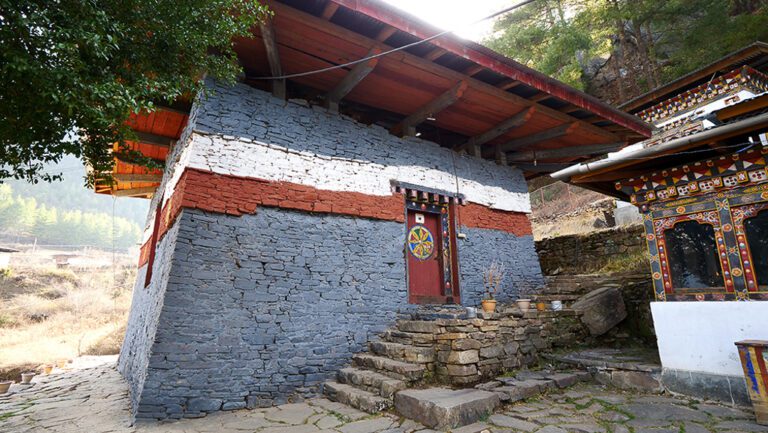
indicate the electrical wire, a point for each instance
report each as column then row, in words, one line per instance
column 394, row 50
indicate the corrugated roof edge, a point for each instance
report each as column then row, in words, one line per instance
column 495, row 61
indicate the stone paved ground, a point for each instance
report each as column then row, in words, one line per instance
column 91, row 397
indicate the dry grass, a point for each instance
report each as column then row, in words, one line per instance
column 48, row 314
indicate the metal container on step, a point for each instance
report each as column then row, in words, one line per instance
column 754, row 358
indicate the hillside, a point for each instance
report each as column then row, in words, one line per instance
column 619, row 49
column 67, row 213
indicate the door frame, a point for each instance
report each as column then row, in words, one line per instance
column 445, row 209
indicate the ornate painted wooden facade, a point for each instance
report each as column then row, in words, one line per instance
column 722, row 193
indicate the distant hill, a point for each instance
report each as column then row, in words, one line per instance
column 68, row 213
column 71, row 194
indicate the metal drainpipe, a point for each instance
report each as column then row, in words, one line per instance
column 567, row 173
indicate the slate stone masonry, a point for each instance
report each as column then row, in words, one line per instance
column 263, row 307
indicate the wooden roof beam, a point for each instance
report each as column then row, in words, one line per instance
column 473, row 144
column 273, row 56
column 540, row 97
column 435, row 54
column 134, row 192
column 330, row 10
column 385, row 33
column 120, row 177
column 473, row 70
column 538, row 155
column 154, row 139
column 549, row 134
column 352, row 79
column 408, row 125
column 569, row 109
column 508, row 84
column 411, row 60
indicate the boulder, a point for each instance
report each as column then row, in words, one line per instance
column 601, row 309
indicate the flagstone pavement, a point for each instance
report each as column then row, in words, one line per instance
column 90, row 396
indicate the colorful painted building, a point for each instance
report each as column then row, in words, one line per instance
column 701, row 183
column 296, row 217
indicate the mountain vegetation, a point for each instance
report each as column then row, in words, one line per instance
column 24, row 218
column 619, row 49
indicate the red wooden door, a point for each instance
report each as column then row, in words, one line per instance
column 424, row 249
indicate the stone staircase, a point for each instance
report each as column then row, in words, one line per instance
column 401, row 359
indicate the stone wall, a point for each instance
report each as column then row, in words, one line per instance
column 144, row 316
column 517, row 253
column 469, row 351
column 257, row 308
column 580, row 254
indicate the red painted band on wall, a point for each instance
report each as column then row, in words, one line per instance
column 236, row 195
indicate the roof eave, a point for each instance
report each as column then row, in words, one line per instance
column 496, row 62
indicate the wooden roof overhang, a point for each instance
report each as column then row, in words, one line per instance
column 754, row 56
column 450, row 91
column 156, row 133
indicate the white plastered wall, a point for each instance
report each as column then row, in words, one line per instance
column 700, row 336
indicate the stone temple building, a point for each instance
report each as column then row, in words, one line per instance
column 701, row 184
column 296, row 217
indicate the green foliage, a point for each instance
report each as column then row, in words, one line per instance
column 22, row 216
column 651, row 41
column 74, row 70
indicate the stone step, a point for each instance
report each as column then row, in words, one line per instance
column 410, row 338
column 445, row 409
column 357, row 398
column 371, row 381
column 390, row 367
column 403, row 352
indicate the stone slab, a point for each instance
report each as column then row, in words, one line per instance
column 442, row 408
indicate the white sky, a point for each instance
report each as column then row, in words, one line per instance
column 453, row 14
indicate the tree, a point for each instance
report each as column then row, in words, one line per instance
column 72, row 71
column 643, row 43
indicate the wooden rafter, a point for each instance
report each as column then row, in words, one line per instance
column 330, row 10
column 435, row 54
column 385, row 33
column 352, row 79
column 124, row 177
column 549, row 134
column 411, row 60
column 508, row 84
column 569, row 109
column 154, row 139
column 473, row 70
column 472, row 145
column 540, row 97
column 134, row 192
column 273, row 56
column 538, row 155
column 446, row 99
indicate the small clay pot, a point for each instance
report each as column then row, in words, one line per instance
column 541, row 306
column 27, row 377
column 62, row 363
column 489, row 305
column 47, row 369
column 523, row 304
column 5, row 386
